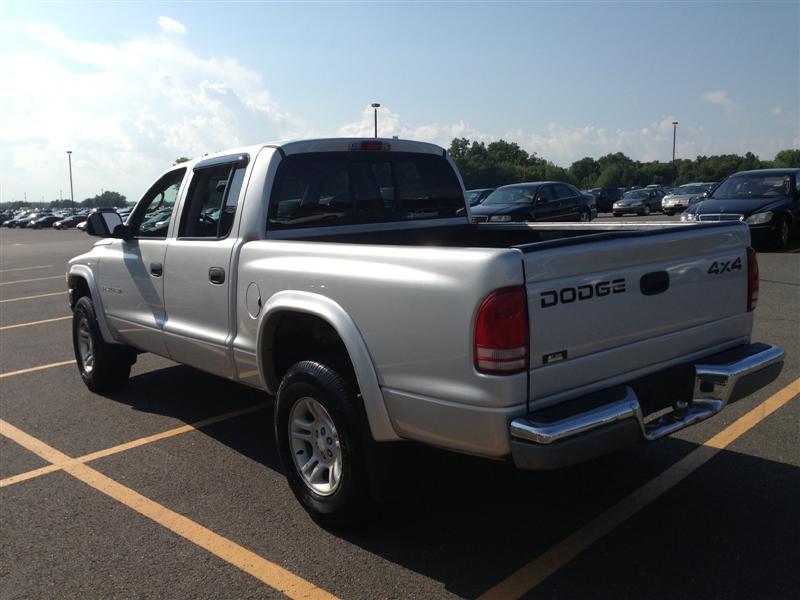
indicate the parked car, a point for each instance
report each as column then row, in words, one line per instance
column 539, row 201
column 43, row 221
column 532, row 343
column 605, row 197
column 639, row 202
column 68, row 222
column 681, row 197
column 768, row 200
column 477, row 196
column 81, row 225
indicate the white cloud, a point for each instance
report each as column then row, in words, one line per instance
column 776, row 110
column 390, row 124
column 720, row 98
column 171, row 26
column 127, row 110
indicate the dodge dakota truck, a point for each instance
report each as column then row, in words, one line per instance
column 346, row 278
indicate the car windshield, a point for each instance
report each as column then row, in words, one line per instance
column 753, row 185
column 686, row 190
column 635, row 194
column 512, row 195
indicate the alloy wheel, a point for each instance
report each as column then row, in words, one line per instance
column 315, row 446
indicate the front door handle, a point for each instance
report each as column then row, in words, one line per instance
column 156, row 269
column 216, row 275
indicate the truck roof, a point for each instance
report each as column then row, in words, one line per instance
column 322, row 145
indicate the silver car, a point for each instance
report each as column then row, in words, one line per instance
column 681, row 197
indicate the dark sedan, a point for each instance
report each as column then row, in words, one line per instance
column 539, row 201
column 475, row 197
column 640, row 202
column 43, row 221
column 768, row 200
column 69, row 222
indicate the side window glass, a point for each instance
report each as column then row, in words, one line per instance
column 211, row 202
column 546, row 193
column 562, row 191
column 152, row 221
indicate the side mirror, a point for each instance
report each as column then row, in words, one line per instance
column 104, row 222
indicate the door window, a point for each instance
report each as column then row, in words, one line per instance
column 546, row 194
column 154, row 214
column 211, row 202
column 562, row 191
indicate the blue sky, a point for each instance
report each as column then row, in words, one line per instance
column 128, row 87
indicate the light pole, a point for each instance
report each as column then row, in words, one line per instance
column 674, row 134
column 375, row 107
column 71, row 192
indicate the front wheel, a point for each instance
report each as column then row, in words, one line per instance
column 103, row 366
column 646, row 210
column 321, row 433
column 585, row 216
column 782, row 234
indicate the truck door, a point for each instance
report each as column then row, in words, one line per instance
column 131, row 273
column 198, row 278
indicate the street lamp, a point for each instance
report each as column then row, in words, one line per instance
column 71, row 192
column 375, row 107
column 674, row 134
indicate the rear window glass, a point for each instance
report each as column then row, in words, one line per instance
column 348, row 188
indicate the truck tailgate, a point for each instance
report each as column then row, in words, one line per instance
column 612, row 306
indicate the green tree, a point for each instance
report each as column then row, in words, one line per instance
column 787, row 158
column 107, row 198
column 180, row 160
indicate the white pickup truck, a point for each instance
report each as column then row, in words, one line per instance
column 345, row 277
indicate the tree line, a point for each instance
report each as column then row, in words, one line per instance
column 105, row 199
column 499, row 163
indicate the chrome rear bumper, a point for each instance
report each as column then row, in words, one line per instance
column 599, row 423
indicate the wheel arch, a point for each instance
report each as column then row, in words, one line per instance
column 81, row 282
column 310, row 305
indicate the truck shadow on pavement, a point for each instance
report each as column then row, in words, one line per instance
column 730, row 530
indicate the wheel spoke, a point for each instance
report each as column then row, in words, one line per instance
column 315, row 446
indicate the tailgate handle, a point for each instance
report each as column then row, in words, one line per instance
column 654, row 283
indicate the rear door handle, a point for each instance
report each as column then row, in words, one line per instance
column 156, row 269
column 216, row 275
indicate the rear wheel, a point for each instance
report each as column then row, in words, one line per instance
column 617, row 214
column 669, row 213
column 103, row 366
column 322, row 435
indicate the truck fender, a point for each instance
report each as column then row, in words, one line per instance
column 86, row 273
column 331, row 312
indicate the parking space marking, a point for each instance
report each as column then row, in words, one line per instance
column 26, row 268
column 132, row 444
column 39, row 368
column 262, row 569
column 535, row 572
column 42, row 322
column 31, row 280
column 33, row 297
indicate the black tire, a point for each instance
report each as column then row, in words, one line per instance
column 617, row 214
column 351, row 502
column 110, row 365
column 669, row 213
column 585, row 216
column 782, row 235
column 645, row 211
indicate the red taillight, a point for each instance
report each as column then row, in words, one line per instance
column 752, row 280
column 501, row 333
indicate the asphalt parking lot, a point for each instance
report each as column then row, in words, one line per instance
column 172, row 487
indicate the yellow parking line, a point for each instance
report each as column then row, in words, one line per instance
column 262, row 569
column 42, row 322
column 39, row 368
column 535, row 572
column 26, row 268
column 129, row 445
column 32, row 297
column 30, row 280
